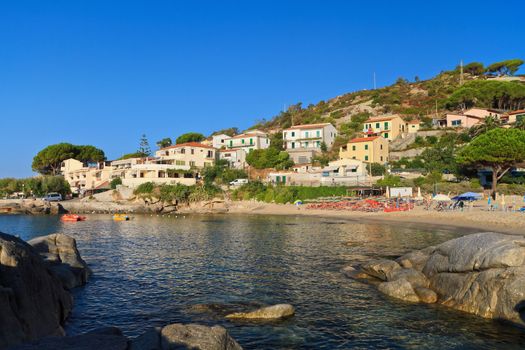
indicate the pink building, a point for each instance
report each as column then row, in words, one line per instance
column 471, row 117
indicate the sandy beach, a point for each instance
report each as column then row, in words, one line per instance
column 478, row 219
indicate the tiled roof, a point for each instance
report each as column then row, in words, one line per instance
column 308, row 126
column 364, row 139
column 189, row 144
column 519, row 111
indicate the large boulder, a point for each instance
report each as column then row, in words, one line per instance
column 60, row 252
column 482, row 273
column 273, row 312
column 380, row 268
column 33, row 301
column 109, row 338
column 185, row 336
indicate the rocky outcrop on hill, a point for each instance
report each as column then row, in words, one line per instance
column 60, row 253
column 33, row 301
column 483, row 274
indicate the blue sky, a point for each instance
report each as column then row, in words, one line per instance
column 104, row 72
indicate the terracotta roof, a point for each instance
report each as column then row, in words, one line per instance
column 240, row 136
column 189, row 144
column 414, row 122
column 105, row 184
column 380, row 119
column 519, row 111
column 308, row 126
column 364, row 139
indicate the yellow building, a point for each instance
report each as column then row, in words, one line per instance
column 372, row 149
column 85, row 177
column 194, row 154
column 413, row 126
column 390, row 127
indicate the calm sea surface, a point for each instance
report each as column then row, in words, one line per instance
column 154, row 271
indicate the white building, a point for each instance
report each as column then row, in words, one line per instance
column 303, row 141
column 235, row 148
column 83, row 177
column 193, row 154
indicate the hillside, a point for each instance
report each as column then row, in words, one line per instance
column 419, row 99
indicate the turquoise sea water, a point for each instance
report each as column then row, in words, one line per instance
column 152, row 271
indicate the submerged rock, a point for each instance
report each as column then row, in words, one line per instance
column 33, row 301
column 266, row 313
column 482, row 273
column 60, row 252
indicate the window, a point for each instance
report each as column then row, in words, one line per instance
column 318, row 133
column 378, row 125
column 385, row 135
column 319, row 144
column 306, row 134
column 180, row 162
column 242, row 141
column 353, row 157
column 381, row 147
column 293, row 133
column 293, row 144
column 231, row 143
column 456, row 122
column 210, row 154
column 353, row 148
column 381, row 158
column 366, row 147
column 251, row 141
column 366, row 157
column 182, row 151
column 192, row 151
column 192, row 163
column 386, row 125
column 306, row 144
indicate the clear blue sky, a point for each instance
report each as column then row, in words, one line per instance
column 104, row 72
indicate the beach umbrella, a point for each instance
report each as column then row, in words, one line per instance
column 419, row 196
column 441, row 198
column 298, row 202
column 468, row 196
column 388, row 193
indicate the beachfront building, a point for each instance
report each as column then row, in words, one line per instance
column 136, row 171
column 389, row 127
column 236, row 157
column 83, row 178
column 471, row 117
column 219, row 141
column 192, row 154
column 343, row 172
column 302, row 142
column 372, row 149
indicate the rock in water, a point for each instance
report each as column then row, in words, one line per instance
column 482, row 273
column 61, row 253
column 266, row 313
column 33, row 302
column 194, row 336
column 400, row 289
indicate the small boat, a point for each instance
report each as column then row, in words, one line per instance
column 72, row 218
column 121, row 217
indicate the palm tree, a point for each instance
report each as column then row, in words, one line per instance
column 488, row 123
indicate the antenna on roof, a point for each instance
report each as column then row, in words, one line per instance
column 461, row 73
column 374, row 80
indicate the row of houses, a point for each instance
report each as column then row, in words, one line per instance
column 182, row 163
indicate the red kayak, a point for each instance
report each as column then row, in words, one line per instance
column 72, row 217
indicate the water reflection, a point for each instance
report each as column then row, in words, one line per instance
column 153, row 270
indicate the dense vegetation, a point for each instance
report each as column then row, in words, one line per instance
column 285, row 194
column 190, row 137
column 34, row 186
column 178, row 193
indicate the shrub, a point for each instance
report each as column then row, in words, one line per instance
column 115, row 182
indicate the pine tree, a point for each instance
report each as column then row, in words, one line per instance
column 144, row 148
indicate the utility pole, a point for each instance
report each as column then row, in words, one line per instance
column 375, row 80
column 461, row 73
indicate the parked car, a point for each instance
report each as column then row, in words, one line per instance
column 53, row 197
column 239, row 182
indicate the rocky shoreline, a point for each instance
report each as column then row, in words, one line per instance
column 482, row 274
column 35, row 282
